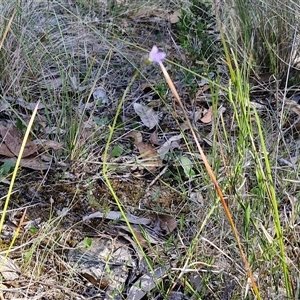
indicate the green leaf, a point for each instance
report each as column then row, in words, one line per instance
column 117, row 151
column 20, row 125
column 187, row 166
column 7, row 167
column 87, row 242
column 101, row 121
column 32, row 230
column 246, row 221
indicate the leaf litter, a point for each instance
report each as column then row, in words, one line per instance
column 147, row 114
column 31, row 158
column 114, row 250
column 148, row 157
column 8, row 268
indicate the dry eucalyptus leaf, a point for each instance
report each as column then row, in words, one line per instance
column 10, row 136
column 8, row 269
column 147, row 115
column 35, row 163
column 170, row 144
column 174, row 17
column 148, row 158
column 116, row 215
column 146, row 283
column 208, row 116
column 12, row 143
column 29, row 149
column 5, row 151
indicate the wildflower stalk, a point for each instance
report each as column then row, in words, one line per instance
column 212, row 177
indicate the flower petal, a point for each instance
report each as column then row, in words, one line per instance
column 156, row 55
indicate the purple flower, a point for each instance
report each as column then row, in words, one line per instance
column 156, row 55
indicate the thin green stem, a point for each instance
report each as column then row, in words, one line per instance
column 272, row 196
column 105, row 169
column 14, row 175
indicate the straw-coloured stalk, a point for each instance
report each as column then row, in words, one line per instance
column 157, row 56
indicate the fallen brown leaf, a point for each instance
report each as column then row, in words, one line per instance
column 5, row 151
column 163, row 222
column 9, row 269
column 147, row 115
column 35, row 163
column 208, row 116
column 150, row 158
column 10, row 136
column 174, row 17
column 54, row 145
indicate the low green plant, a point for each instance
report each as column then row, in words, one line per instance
column 196, row 33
